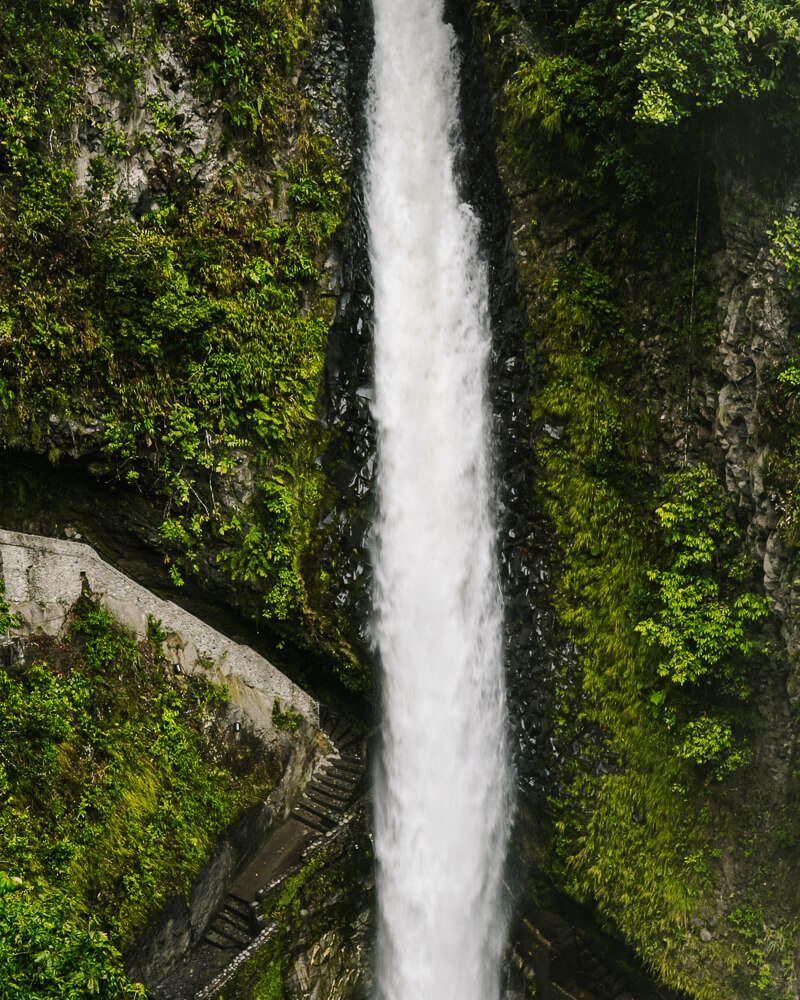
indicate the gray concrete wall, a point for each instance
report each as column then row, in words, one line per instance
column 45, row 576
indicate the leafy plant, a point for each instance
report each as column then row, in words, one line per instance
column 288, row 719
column 7, row 619
column 47, row 954
column 111, row 796
column 702, row 620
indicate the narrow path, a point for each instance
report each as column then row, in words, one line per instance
column 238, row 928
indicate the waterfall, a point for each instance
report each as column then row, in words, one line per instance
column 442, row 795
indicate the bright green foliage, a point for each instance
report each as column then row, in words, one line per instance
column 244, row 50
column 605, row 79
column 710, row 741
column 701, row 624
column 48, row 955
column 785, row 238
column 197, row 334
column 630, row 853
column 630, row 836
column 7, row 619
column 661, row 60
column 603, row 116
column 623, row 832
column 109, row 803
column 697, row 55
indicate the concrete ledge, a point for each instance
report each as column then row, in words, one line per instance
column 45, row 576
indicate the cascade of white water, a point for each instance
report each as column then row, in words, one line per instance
column 442, row 809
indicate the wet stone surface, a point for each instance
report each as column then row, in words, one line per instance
column 536, row 656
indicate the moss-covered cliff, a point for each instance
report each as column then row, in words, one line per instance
column 172, row 192
column 647, row 231
column 117, row 779
column 176, row 177
column 173, row 196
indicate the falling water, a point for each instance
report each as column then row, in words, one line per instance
column 442, row 795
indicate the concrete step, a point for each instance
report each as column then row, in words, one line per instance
column 324, row 799
column 347, row 771
column 333, row 790
column 332, row 815
column 234, row 926
column 348, row 765
column 342, row 781
column 221, row 930
column 345, row 735
column 239, row 921
column 239, row 902
column 334, row 725
column 351, row 746
column 311, row 820
column 338, row 731
column 220, row 942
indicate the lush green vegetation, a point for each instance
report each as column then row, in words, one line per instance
column 604, row 118
column 782, row 385
column 195, row 333
column 702, row 625
column 603, row 80
column 189, row 335
column 111, row 796
column 652, row 587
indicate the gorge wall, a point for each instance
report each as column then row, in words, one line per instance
column 185, row 382
column 661, row 316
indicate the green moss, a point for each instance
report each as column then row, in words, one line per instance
column 600, row 144
column 196, row 333
column 651, row 581
column 636, row 820
column 110, row 794
column 271, row 986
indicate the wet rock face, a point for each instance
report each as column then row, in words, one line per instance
column 163, row 126
column 334, row 75
column 349, row 459
column 322, row 944
column 757, row 340
column 335, row 966
column 114, row 119
column 534, row 655
column 756, row 337
column 329, row 953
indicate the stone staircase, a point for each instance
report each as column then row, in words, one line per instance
column 338, row 779
column 235, row 925
column 561, row 961
column 238, row 928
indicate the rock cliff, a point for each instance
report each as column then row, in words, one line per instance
column 185, row 346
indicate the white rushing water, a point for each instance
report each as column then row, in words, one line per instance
column 442, row 808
